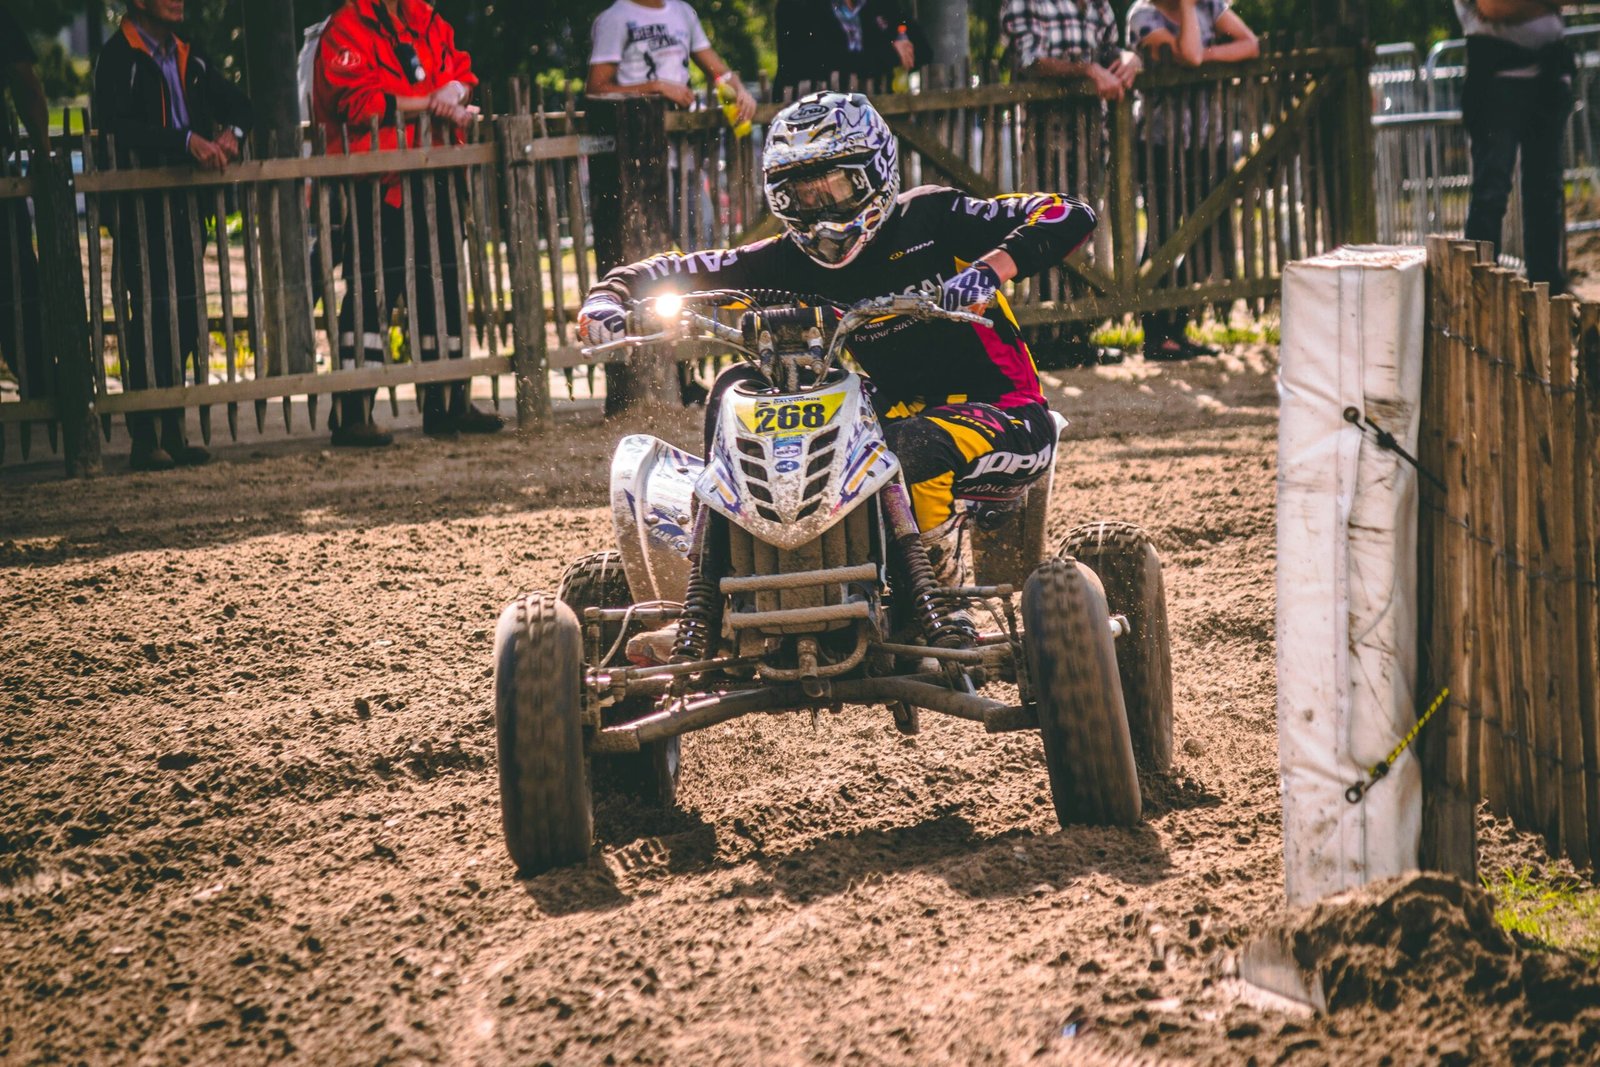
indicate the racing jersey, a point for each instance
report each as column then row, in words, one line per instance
column 933, row 234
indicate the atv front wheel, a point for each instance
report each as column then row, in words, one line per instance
column 1129, row 568
column 651, row 774
column 545, row 803
column 1072, row 665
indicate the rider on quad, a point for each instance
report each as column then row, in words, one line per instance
column 960, row 404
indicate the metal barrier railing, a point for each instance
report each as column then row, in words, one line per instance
column 1423, row 168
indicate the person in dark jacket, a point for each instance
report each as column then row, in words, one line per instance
column 165, row 105
column 21, row 328
column 818, row 38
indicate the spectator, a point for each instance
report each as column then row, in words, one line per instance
column 1067, row 40
column 1070, row 40
column 1517, row 96
column 21, row 331
column 861, row 38
column 1185, row 33
column 644, row 47
column 310, row 45
column 169, row 105
column 395, row 60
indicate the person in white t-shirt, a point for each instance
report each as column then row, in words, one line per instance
column 645, row 46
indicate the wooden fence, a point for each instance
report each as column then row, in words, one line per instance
column 1207, row 183
column 1511, row 611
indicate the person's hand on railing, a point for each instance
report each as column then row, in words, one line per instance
column 1107, row 84
column 449, row 104
column 228, row 141
column 601, row 320
column 1126, row 67
column 454, row 114
column 207, row 153
column 744, row 104
column 681, row 95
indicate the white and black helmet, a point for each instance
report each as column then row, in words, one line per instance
column 832, row 171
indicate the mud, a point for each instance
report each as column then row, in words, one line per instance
column 248, row 807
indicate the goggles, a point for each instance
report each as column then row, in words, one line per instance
column 832, row 194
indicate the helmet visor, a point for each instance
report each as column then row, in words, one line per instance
column 833, row 194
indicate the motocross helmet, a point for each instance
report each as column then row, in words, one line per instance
column 832, row 173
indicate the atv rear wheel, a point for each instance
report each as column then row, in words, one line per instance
column 1072, row 665
column 1129, row 568
column 598, row 581
column 545, row 803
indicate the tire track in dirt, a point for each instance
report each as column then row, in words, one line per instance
column 250, row 811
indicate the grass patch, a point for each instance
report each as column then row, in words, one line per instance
column 1550, row 910
column 1130, row 334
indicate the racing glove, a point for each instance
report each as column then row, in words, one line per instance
column 972, row 288
column 601, row 320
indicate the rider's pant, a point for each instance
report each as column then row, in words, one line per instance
column 968, row 449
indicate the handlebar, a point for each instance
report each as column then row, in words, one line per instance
column 674, row 311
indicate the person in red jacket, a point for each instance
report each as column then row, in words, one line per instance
column 394, row 60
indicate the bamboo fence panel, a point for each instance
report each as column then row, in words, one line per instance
column 1511, row 616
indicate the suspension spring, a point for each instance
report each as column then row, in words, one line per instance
column 702, row 603
column 940, row 623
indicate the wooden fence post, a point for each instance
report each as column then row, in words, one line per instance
column 1360, row 156
column 530, row 358
column 66, row 313
column 1448, row 750
column 631, row 209
column 1124, row 191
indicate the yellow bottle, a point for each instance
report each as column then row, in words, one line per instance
column 729, row 100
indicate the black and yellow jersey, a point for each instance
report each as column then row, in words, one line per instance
column 933, row 233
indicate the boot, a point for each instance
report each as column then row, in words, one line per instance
column 946, row 552
column 354, row 428
column 174, row 442
column 466, row 418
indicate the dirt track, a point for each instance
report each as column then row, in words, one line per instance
column 248, row 805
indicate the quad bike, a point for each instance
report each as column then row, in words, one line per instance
column 790, row 563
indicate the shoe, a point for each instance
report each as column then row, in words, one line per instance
column 154, row 459
column 188, row 455
column 654, row 648
column 361, row 435
column 474, row 421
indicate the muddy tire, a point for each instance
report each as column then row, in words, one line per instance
column 545, row 803
column 651, row 775
column 1129, row 568
column 1072, row 664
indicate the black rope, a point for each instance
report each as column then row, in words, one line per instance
column 1388, row 442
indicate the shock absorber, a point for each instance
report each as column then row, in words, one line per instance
column 702, row 602
column 940, row 623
